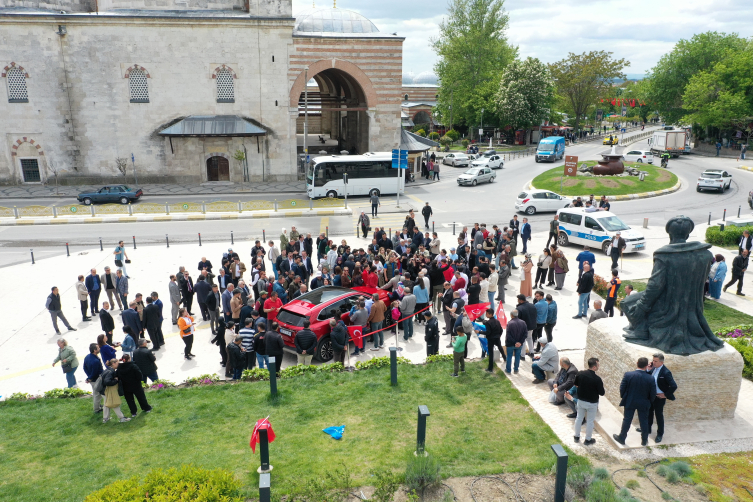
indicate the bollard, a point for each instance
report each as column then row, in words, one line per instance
column 167, row 208
column 32, row 256
column 264, row 488
column 101, row 248
column 327, row 230
column 203, row 207
column 232, row 239
column 393, row 365
column 134, row 242
column 275, row 205
column 311, row 204
column 423, row 412
column 645, row 222
column 561, row 479
column 724, row 216
column 199, row 238
column 130, row 209
column 67, row 251
column 54, row 212
column 709, row 217
column 453, row 228
column 240, row 207
column 92, row 208
column 167, row 240
column 432, row 227
column 273, row 376
column 264, row 450
column 263, row 235
column 738, row 210
column 15, row 212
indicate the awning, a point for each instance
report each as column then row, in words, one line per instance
column 213, row 125
column 414, row 142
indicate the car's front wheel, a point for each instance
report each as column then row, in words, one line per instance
column 562, row 239
column 474, row 183
column 324, row 351
column 87, row 201
column 331, row 194
column 530, row 210
column 697, row 189
column 124, row 200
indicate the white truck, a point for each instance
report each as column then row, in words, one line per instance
column 672, row 141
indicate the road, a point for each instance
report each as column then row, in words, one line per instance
column 489, row 203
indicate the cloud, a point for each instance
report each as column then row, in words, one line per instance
column 640, row 31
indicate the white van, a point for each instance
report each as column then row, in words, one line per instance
column 596, row 230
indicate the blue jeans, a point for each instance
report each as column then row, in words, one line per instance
column 491, row 299
column 274, row 269
column 71, row 377
column 408, row 328
column 513, row 351
column 262, row 361
column 237, row 373
column 152, row 376
column 378, row 337
column 512, row 263
column 538, row 372
column 583, row 304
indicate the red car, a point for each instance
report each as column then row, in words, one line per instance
column 319, row 306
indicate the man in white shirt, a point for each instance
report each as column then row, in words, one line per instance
column 493, row 284
column 272, row 255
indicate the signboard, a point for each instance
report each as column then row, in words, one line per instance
column 622, row 130
column 571, row 165
column 624, row 111
column 599, row 115
column 399, row 159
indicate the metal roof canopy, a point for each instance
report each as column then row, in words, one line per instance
column 415, row 143
column 213, row 126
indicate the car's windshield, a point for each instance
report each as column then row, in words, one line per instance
column 613, row 223
column 291, row 318
column 712, row 175
column 488, row 154
column 546, row 147
column 323, row 295
column 472, row 171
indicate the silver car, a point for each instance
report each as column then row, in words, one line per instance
column 476, row 175
column 456, row 159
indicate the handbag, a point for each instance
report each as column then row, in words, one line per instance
column 128, row 261
column 67, row 368
column 552, row 397
column 118, row 263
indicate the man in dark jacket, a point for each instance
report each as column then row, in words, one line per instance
column 585, row 285
column 493, row 338
column 305, row 344
column 94, row 287
column 214, row 304
column 153, row 324
column 236, row 357
column 131, row 318
column 130, row 376
column 638, row 391
column 527, row 313
column 246, row 311
column 739, row 266
column 563, row 380
column 665, row 389
column 431, row 333
column 339, row 338
column 273, row 344
column 93, row 369
column 203, row 290
column 426, row 212
column 106, row 321
column 589, row 388
column 517, row 332
column 145, row 360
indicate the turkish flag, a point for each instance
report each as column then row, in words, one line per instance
column 356, row 334
column 261, row 424
column 476, row 310
column 501, row 316
column 614, row 102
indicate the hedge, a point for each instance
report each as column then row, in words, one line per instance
column 730, row 237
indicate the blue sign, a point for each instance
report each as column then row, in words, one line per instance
column 399, row 159
column 132, row 158
column 623, row 129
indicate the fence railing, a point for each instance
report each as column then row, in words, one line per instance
column 166, row 208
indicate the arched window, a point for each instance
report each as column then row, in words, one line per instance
column 405, row 98
column 16, row 86
column 225, row 86
column 138, row 86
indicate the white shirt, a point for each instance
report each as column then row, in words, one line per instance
column 484, row 295
column 655, row 374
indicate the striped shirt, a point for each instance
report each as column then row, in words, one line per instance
column 248, row 338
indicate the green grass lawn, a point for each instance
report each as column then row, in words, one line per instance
column 479, row 424
column 727, row 477
column 657, row 179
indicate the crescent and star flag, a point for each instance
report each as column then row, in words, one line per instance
column 356, row 334
column 476, row 310
column 261, row 424
column 501, row 316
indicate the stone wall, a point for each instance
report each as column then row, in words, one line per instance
column 708, row 384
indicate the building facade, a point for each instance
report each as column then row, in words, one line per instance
column 178, row 91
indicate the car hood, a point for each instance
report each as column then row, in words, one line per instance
column 480, row 163
column 466, row 177
column 631, row 234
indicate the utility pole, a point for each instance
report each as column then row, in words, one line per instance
column 133, row 163
column 305, row 115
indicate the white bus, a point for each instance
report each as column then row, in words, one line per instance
column 367, row 174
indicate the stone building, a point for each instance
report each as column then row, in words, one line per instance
column 184, row 85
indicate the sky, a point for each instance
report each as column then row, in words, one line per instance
column 640, row 31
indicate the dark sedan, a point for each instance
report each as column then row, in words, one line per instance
column 109, row 194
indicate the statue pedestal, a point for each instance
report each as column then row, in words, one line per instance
column 708, row 383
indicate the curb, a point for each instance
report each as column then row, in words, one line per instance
column 286, row 213
column 745, row 168
column 635, row 196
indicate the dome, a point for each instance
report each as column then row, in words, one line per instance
column 426, row 77
column 333, row 21
column 408, row 78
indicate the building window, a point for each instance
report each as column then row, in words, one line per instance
column 17, row 86
column 30, row 169
column 225, row 86
column 405, row 97
column 138, row 86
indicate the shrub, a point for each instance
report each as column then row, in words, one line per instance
column 445, row 140
column 386, row 483
column 672, row 476
column 666, row 496
column 206, row 379
column 422, row 472
column 379, row 362
column 160, row 384
column 254, row 375
column 20, row 396
column 632, row 484
column 452, row 134
column 438, row 358
column 65, row 393
column 421, row 132
column 186, row 484
column 601, row 491
column 740, row 331
column 730, row 237
column 434, row 135
column 662, row 470
column 465, row 143
column 683, row 469
column 579, row 478
column 601, row 473
column 745, row 349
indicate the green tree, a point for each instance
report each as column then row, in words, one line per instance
column 525, row 95
column 582, row 78
column 472, row 47
column 674, row 70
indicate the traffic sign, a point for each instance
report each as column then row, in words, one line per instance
column 571, row 165
column 623, row 129
column 399, row 159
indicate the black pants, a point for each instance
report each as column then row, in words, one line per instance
column 250, row 360
column 615, row 259
column 642, row 419
column 609, row 307
column 188, row 340
column 550, row 278
column 548, row 330
column 497, row 342
column 657, row 408
column 188, row 302
column 540, row 276
column 84, row 307
column 736, row 279
column 374, row 209
column 339, row 356
column 537, row 334
column 94, row 299
column 426, row 221
column 432, row 348
column 140, row 396
column 204, row 311
column 155, row 335
column 552, row 235
column 365, row 231
column 223, row 353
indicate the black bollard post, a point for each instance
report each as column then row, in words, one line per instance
column 264, row 488
column 167, row 240
column 423, row 412
column 134, row 242
column 453, row 228
column 393, row 365
column 232, row 239
column 199, row 238
column 724, row 216
column 263, row 236
column 561, row 479
column 709, row 217
column 101, row 248
column 264, row 452
column 738, row 210
column 32, row 256
column 273, row 376
column 67, row 251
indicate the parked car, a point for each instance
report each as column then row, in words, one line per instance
column 534, row 201
column 596, row 230
column 639, row 156
column 319, row 306
column 714, row 179
column 476, row 175
column 456, row 160
column 492, row 161
column 112, row 193
column 612, row 139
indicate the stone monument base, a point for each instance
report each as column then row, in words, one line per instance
column 708, row 383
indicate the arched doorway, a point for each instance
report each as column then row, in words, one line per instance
column 218, row 169
column 422, row 117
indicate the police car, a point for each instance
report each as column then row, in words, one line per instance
column 596, row 229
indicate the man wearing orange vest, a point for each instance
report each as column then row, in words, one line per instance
column 614, row 286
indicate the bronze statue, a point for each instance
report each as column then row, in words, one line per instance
column 668, row 315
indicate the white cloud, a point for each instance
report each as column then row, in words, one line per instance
column 640, row 31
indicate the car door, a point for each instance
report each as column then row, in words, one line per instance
column 487, row 174
column 102, row 195
column 727, row 179
column 115, row 193
column 551, row 201
column 593, row 231
column 573, row 223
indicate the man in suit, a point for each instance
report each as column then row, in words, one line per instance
column 638, row 391
column 223, row 280
column 202, row 291
column 665, row 389
column 131, row 318
column 109, row 282
column 214, row 302
column 307, row 266
column 153, row 323
column 121, row 285
column 746, row 243
column 739, row 266
column 515, row 227
column 525, row 233
column 174, row 299
column 205, row 264
column 187, row 291
column 237, row 269
column 227, row 297
column 94, row 286
column 106, row 321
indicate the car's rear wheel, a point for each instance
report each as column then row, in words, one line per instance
column 697, row 189
column 640, row 161
column 331, row 194
column 491, row 180
column 530, row 210
column 324, row 351
column 474, row 183
column 562, row 239
column 87, row 201
column 124, row 200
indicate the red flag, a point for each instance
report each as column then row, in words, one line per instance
column 261, row 424
column 501, row 316
column 476, row 310
column 356, row 334
column 614, row 101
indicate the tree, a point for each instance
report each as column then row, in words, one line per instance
column 472, row 47
column 525, row 95
column 122, row 164
column 582, row 78
column 55, row 170
column 240, row 158
column 674, row 70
